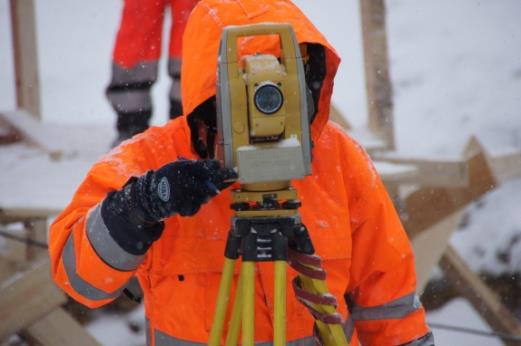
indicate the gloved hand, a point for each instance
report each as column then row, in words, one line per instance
column 134, row 214
column 181, row 187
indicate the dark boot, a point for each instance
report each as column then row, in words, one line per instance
column 129, row 125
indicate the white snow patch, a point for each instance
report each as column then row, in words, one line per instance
column 113, row 329
column 491, row 241
column 460, row 313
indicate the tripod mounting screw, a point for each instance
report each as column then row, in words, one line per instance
column 240, row 206
column 292, row 204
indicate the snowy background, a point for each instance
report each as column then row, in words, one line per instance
column 456, row 70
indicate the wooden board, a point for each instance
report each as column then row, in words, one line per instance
column 9, row 215
column 377, row 76
column 506, row 167
column 430, row 204
column 8, row 133
column 431, row 172
column 25, row 56
column 482, row 298
column 430, row 245
column 7, row 267
column 26, row 297
column 32, row 131
column 59, row 328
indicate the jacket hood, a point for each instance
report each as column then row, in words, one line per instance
column 201, row 45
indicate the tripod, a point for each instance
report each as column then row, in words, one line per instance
column 265, row 226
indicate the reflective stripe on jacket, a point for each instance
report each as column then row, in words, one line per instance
column 351, row 220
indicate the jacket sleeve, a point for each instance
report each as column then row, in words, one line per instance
column 87, row 261
column 381, row 295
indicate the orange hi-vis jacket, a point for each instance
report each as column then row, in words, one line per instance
column 353, row 225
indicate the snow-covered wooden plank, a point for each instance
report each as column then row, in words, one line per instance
column 482, row 298
column 431, row 172
column 506, row 166
column 454, row 172
column 9, row 215
column 59, row 328
column 392, row 173
column 35, row 186
column 429, row 204
column 26, row 297
column 35, row 132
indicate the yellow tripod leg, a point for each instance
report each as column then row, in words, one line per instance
column 279, row 328
column 331, row 334
column 235, row 322
column 222, row 303
column 248, row 298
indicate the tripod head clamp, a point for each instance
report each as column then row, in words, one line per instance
column 267, row 239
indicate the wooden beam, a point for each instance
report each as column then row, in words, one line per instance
column 482, row 298
column 33, row 131
column 430, row 245
column 23, row 23
column 10, row 215
column 59, row 328
column 35, row 230
column 7, row 267
column 428, row 205
column 393, row 174
column 430, row 172
column 454, row 173
column 377, row 76
column 26, row 297
column 506, row 167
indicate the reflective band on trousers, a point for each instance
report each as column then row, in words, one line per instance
column 130, row 100
column 395, row 309
column 78, row 284
column 163, row 339
column 105, row 246
column 174, row 67
column 142, row 72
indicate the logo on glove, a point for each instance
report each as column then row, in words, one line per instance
column 163, row 189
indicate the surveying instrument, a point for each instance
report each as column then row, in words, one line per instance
column 263, row 133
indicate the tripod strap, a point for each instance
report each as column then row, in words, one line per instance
column 311, row 290
column 309, row 297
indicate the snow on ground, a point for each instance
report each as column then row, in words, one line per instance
column 493, row 221
column 113, row 329
column 460, row 313
column 456, row 71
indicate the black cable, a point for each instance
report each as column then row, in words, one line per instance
column 504, row 336
column 27, row 241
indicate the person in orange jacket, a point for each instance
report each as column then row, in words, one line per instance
column 135, row 62
column 157, row 207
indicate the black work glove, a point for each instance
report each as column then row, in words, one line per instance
column 181, row 187
column 134, row 214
